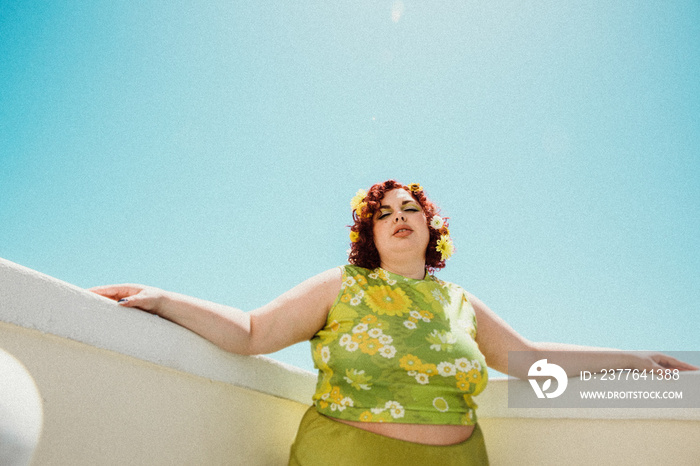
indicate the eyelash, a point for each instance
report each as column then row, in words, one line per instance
column 410, row 209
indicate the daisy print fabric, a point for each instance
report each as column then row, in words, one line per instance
column 397, row 349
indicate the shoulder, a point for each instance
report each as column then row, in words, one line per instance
column 323, row 286
column 330, row 278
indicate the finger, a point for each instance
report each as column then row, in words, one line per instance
column 682, row 366
column 115, row 292
column 141, row 301
column 668, row 362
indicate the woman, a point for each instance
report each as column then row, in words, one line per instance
column 398, row 351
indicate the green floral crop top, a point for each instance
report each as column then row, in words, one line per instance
column 396, row 349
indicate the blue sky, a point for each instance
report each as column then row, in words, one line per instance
column 212, row 148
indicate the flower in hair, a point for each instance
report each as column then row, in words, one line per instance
column 415, row 187
column 437, row 222
column 358, row 198
column 354, row 236
column 445, row 247
column 357, row 203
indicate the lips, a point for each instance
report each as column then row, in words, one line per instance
column 402, row 231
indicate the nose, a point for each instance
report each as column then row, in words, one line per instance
column 399, row 216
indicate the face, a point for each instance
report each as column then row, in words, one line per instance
column 400, row 226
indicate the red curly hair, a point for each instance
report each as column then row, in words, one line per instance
column 364, row 253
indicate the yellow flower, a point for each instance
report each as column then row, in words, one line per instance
column 410, row 362
column 428, row 369
column 370, row 346
column 359, row 208
column 474, row 376
column 360, row 337
column 336, row 396
column 361, row 280
column 354, row 236
column 386, row 300
column 366, row 416
column 413, row 187
column 368, row 319
column 445, row 247
column 358, row 198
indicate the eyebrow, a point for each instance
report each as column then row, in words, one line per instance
column 402, row 204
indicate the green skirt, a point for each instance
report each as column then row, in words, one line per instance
column 323, row 441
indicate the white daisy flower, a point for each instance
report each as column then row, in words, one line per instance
column 355, row 301
column 375, row 333
column 395, row 409
column 463, row 364
column 360, row 328
column 385, row 339
column 446, row 369
column 422, row 378
column 352, row 346
column 437, row 222
column 410, row 325
column 345, row 340
column 387, row 351
column 415, row 315
column 348, row 282
column 397, row 412
column 325, row 354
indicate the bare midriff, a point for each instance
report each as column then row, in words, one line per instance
column 427, row 434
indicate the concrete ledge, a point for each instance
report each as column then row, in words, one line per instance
column 36, row 301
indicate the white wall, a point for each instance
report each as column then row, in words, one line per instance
column 120, row 386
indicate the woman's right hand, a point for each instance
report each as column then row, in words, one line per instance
column 146, row 298
column 293, row 317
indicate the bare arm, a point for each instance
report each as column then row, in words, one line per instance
column 496, row 338
column 292, row 317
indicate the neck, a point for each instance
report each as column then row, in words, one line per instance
column 412, row 269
